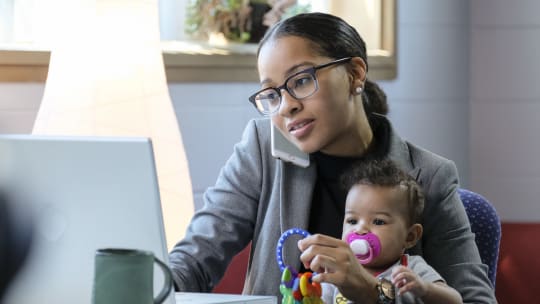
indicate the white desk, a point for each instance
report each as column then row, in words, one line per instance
column 215, row 298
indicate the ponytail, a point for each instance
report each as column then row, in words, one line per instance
column 374, row 99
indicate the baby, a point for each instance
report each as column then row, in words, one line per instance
column 382, row 220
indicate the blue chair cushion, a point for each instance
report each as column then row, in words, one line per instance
column 486, row 225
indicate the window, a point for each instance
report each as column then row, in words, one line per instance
column 26, row 26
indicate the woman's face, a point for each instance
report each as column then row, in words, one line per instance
column 326, row 121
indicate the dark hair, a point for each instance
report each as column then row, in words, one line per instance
column 386, row 174
column 331, row 36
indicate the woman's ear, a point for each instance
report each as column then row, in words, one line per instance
column 357, row 70
column 413, row 235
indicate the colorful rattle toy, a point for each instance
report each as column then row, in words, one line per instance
column 296, row 288
column 365, row 246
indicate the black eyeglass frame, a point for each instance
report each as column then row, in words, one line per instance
column 312, row 71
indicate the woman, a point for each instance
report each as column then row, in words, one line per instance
column 313, row 70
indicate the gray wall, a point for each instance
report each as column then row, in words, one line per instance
column 212, row 118
column 466, row 87
column 505, row 105
column 430, row 98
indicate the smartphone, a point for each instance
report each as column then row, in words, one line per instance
column 285, row 150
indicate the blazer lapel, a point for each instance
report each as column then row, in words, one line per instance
column 400, row 154
column 295, row 203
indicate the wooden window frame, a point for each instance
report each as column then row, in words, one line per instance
column 208, row 65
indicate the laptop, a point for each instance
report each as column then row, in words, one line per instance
column 85, row 193
column 82, row 193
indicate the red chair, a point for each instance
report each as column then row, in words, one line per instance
column 235, row 275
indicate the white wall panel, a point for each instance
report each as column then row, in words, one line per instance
column 430, row 13
column 504, row 12
column 439, row 127
column 433, row 63
column 505, row 106
column 429, row 100
column 212, row 118
column 505, row 63
column 515, row 199
column 505, row 140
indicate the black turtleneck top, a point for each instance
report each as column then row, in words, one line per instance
column 328, row 205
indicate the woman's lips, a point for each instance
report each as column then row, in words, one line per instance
column 301, row 129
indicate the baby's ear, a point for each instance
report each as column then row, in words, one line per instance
column 413, row 235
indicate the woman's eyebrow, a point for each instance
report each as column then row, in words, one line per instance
column 296, row 67
column 291, row 70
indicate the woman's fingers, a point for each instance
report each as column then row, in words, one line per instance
column 324, row 254
column 318, row 239
column 324, row 264
column 315, row 247
column 335, row 263
column 332, row 259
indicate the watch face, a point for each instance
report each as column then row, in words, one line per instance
column 388, row 289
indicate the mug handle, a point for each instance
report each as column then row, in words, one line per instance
column 168, row 282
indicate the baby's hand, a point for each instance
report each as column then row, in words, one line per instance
column 407, row 281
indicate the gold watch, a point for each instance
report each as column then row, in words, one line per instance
column 386, row 292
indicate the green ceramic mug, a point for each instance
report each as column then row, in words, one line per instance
column 126, row 276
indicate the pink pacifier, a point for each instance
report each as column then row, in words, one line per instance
column 366, row 247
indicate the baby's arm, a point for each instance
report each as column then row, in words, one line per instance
column 406, row 280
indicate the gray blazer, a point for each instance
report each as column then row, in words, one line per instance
column 257, row 197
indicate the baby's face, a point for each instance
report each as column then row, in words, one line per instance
column 381, row 211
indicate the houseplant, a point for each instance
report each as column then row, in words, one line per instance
column 236, row 20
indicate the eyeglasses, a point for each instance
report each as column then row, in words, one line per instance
column 299, row 85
